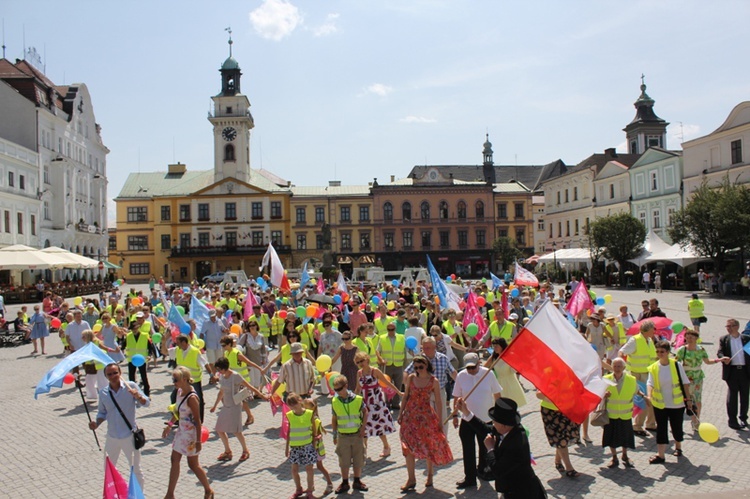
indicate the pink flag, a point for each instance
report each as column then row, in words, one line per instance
column 580, row 300
column 114, row 485
column 525, row 278
column 321, row 286
column 250, row 302
column 504, row 302
column 472, row 315
column 559, row 362
column 284, row 421
column 679, row 340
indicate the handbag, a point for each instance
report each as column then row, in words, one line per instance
column 703, row 319
column 600, row 417
column 240, row 395
column 139, row 437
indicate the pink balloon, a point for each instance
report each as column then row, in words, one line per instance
column 204, row 434
column 69, row 378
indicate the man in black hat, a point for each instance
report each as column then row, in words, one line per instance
column 508, row 451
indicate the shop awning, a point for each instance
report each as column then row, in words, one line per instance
column 109, row 265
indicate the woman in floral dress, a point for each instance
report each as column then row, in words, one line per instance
column 421, row 430
column 379, row 420
column 692, row 356
column 187, row 439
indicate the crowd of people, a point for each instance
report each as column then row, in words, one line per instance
column 390, row 359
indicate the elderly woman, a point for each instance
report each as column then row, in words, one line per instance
column 619, row 400
column 666, row 396
column 561, row 432
column 692, row 356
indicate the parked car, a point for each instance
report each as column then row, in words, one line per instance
column 215, row 277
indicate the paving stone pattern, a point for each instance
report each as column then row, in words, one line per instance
column 49, row 451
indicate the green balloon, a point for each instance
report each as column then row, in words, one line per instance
column 472, row 330
column 157, row 337
column 301, row 312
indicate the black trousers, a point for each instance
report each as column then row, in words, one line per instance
column 198, row 391
column 671, row 417
column 738, row 387
column 470, row 440
column 144, row 376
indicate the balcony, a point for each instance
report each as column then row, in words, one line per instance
column 89, row 229
column 223, row 250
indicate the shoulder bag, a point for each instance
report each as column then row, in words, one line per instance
column 688, row 411
column 240, row 395
column 139, row 437
column 600, row 417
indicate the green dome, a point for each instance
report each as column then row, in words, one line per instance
column 230, row 63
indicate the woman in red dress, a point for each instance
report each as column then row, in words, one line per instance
column 421, row 430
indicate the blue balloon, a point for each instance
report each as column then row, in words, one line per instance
column 411, row 343
column 600, row 301
column 185, row 328
column 186, row 289
column 383, row 295
column 138, row 360
column 260, row 281
column 376, row 299
column 395, row 282
column 515, row 293
column 337, row 299
column 228, row 314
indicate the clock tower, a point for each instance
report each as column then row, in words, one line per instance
column 232, row 123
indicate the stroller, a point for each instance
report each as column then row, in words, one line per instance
column 8, row 338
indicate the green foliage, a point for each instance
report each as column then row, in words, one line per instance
column 506, row 251
column 715, row 220
column 618, row 237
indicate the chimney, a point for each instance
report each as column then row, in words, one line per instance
column 610, row 153
column 334, row 183
column 177, row 168
column 393, row 178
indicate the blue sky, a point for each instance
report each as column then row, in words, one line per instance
column 352, row 90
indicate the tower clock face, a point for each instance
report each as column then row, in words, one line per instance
column 229, row 134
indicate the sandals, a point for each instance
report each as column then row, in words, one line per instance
column 627, row 462
column 329, row 489
column 656, row 460
column 408, row 488
column 614, row 463
column 386, row 452
column 572, row 474
column 245, row 456
column 297, row 493
column 224, row 456
column 250, row 420
column 640, row 433
column 428, row 483
column 677, row 453
column 559, row 467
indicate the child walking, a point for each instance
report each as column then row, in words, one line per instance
column 320, row 447
column 299, row 444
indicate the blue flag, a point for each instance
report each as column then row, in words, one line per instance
column 496, row 281
column 346, row 315
column 747, row 348
column 198, row 312
column 134, row 488
column 175, row 317
column 304, row 278
column 55, row 376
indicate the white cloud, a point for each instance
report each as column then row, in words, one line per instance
column 417, row 119
column 379, row 89
column 275, row 19
column 328, row 27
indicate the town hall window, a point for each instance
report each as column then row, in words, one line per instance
column 229, row 152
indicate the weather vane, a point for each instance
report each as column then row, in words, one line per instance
column 229, row 30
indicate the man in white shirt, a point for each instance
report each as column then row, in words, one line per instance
column 647, row 280
column 482, row 399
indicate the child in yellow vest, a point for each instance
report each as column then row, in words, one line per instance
column 320, row 447
column 299, row 443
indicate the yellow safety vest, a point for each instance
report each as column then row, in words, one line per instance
column 189, row 359
column 393, row 355
column 98, row 365
column 381, row 326
column 644, row 355
column 657, row 399
column 319, row 444
column 368, row 347
column 286, row 354
column 491, row 314
column 348, row 415
column 334, row 325
column 695, row 309
column 620, row 404
column 307, row 335
column 264, row 324
column 549, row 405
column 133, row 347
column 450, row 329
column 277, row 325
column 235, row 364
column 300, row 428
column 618, row 335
column 506, row 331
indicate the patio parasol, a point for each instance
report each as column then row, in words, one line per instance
column 662, row 327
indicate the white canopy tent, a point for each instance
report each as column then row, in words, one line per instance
column 679, row 255
column 71, row 260
column 651, row 246
column 568, row 255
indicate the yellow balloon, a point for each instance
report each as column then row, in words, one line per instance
column 96, row 328
column 77, row 300
column 173, row 409
column 391, row 305
column 708, row 432
column 323, row 363
column 607, row 298
column 200, row 344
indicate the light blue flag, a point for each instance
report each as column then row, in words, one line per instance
column 496, row 281
column 54, row 376
column 346, row 315
column 134, row 488
column 747, row 348
column 175, row 317
column 198, row 312
column 304, row 278
column 438, row 286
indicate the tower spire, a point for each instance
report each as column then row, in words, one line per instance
column 229, row 30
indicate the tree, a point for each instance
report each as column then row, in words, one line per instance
column 594, row 249
column 506, row 251
column 620, row 238
column 715, row 220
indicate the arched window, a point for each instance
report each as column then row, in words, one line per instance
column 424, row 209
column 443, row 210
column 388, row 211
column 461, row 210
column 229, row 152
column 480, row 210
column 406, row 210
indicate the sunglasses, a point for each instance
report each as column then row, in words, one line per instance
column 419, row 367
column 360, row 362
column 338, row 389
column 175, row 380
column 346, row 338
column 391, row 329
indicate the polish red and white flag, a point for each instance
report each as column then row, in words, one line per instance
column 524, row 277
column 278, row 275
column 559, row 362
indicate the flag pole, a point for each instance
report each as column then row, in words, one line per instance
column 86, row 406
column 489, row 370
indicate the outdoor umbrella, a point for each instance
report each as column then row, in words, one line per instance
column 662, row 327
column 72, row 260
column 322, row 299
column 21, row 257
column 54, row 377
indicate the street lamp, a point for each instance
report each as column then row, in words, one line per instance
column 554, row 255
